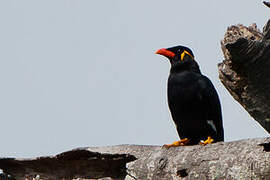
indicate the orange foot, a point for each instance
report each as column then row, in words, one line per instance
column 209, row 140
column 182, row 142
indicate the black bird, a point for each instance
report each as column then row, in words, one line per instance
column 193, row 100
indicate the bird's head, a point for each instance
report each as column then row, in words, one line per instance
column 181, row 58
column 176, row 54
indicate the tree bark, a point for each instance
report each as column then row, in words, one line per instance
column 266, row 3
column 245, row 159
column 245, row 72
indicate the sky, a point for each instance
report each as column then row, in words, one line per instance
column 84, row 73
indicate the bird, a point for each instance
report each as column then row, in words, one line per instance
column 192, row 99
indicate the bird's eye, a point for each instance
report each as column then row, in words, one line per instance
column 179, row 51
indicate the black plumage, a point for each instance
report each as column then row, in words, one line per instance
column 192, row 98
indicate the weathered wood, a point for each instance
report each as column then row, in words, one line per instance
column 68, row 165
column 266, row 3
column 245, row 72
column 245, row 159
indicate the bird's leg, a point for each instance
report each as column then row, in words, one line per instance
column 209, row 140
column 181, row 142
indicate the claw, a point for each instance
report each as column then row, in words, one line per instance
column 182, row 142
column 209, row 140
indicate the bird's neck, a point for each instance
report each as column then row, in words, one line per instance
column 190, row 65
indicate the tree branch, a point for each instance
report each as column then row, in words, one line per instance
column 246, row 159
column 266, row 3
column 245, row 70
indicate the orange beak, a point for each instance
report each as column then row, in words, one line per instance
column 165, row 53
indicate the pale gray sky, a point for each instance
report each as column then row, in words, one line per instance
column 84, row 73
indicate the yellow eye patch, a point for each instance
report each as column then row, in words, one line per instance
column 184, row 53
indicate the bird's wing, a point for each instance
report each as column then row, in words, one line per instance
column 213, row 107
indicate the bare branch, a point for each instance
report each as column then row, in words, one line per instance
column 266, row 3
column 245, row 159
column 245, row 70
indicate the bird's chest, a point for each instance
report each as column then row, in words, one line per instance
column 183, row 90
